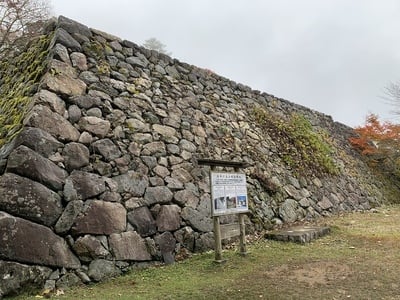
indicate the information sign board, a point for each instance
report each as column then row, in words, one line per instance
column 228, row 193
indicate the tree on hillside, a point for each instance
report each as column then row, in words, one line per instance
column 154, row 44
column 20, row 21
column 380, row 143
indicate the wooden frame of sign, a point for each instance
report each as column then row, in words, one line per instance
column 228, row 196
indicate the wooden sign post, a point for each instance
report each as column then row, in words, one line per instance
column 228, row 196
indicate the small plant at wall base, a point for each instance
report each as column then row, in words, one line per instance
column 300, row 146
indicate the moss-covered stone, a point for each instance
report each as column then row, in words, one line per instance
column 19, row 77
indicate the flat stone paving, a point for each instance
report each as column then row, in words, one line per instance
column 298, row 234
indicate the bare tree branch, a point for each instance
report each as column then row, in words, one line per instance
column 391, row 95
column 20, row 21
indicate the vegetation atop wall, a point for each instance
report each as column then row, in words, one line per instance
column 303, row 148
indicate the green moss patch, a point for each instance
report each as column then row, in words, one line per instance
column 19, row 79
column 304, row 149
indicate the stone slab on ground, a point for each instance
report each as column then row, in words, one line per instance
column 298, row 234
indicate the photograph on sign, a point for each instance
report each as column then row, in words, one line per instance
column 219, row 198
column 229, row 193
column 241, row 195
column 231, row 201
column 242, row 202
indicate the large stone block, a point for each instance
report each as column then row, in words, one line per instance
column 168, row 218
column 89, row 248
column 186, row 198
column 185, row 236
column 29, row 199
column 63, row 80
column 76, row 156
column 142, row 221
column 182, row 175
column 129, row 246
column 16, row 277
column 87, row 185
column 157, row 194
column 64, row 38
column 167, row 244
column 100, row 217
column 60, row 52
column 51, row 100
column 39, row 141
column 67, row 219
column 101, row 269
column 288, row 210
column 95, row 125
column 165, row 131
column 187, row 146
column 133, row 183
column 154, row 148
column 198, row 220
column 43, row 118
column 27, row 242
column 68, row 281
column 25, row 162
column 107, row 149
column 204, row 242
column 74, row 27
column 85, row 101
column 137, row 61
column 293, row 192
column 325, row 203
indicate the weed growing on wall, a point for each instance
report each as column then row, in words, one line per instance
column 97, row 50
column 300, row 146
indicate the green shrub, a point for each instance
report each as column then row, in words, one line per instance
column 300, row 146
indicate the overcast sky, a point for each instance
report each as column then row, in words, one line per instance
column 334, row 56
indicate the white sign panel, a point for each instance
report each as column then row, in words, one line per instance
column 229, row 193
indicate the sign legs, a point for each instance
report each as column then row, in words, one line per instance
column 217, row 238
column 243, row 250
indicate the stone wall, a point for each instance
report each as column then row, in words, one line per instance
column 103, row 178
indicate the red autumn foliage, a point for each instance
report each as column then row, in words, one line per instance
column 377, row 137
